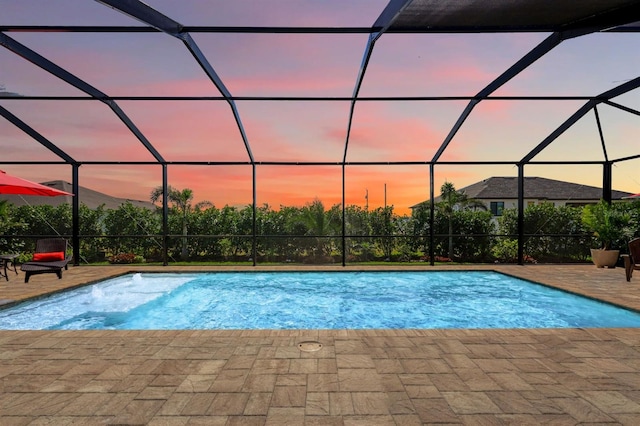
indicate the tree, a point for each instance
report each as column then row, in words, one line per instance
column 206, row 222
column 552, row 233
column 91, row 229
column 277, row 225
column 420, row 224
column 45, row 219
column 357, row 225
column 129, row 223
column 382, row 228
column 10, row 225
column 180, row 203
column 320, row 224
column 452, row 201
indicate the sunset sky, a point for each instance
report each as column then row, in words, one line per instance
column 310, row 65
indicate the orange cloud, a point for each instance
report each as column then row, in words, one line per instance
column 382, row 133
column 285, row 65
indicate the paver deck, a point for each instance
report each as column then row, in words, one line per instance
column 358, row 377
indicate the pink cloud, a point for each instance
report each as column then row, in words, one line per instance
column 283, row 64
column 379, row 133
column 85, row 130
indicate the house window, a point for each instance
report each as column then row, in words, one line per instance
column 497, row 207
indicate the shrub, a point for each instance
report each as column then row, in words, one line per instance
column 505, row 250
column 125, row 258
column 609, row 224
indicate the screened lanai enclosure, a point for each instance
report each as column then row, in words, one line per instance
column 316, row 131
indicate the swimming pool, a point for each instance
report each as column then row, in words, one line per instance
column 314, row 300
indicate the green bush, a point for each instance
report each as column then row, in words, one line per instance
column 610, row 224
column 552, row 234
column 505, row 250
column 311, row 233
column 126, row 258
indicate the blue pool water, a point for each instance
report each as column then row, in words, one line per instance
column 314, row 300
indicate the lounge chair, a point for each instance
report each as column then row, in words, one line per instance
column 50, row 257
column 632, row 260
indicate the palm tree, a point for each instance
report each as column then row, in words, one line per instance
column 180, row 202
column 451, row 201
column 318, row 223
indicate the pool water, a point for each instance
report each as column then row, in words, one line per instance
column 314, row 300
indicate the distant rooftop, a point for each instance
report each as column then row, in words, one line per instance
column 88, row 197
column 506, row 187
column 536, row 187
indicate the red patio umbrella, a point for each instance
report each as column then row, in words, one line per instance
column 14, row 185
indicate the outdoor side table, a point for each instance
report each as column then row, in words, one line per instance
column 6, row 259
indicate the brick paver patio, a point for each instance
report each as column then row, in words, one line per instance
column 358, row 377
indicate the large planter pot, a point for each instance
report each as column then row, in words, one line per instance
column 605, row 258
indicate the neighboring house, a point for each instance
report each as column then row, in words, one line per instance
column 499, row 193
column 88, row 197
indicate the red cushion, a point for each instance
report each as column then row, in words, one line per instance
column 48, row 257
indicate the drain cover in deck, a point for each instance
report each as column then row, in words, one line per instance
column 309, row 346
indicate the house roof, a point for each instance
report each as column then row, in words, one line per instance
column 88, row 197
column 505, row 188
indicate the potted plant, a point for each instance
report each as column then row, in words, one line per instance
column 609, row 225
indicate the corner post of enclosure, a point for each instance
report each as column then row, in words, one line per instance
column 344, row 220
column 254, row 231
column 520, row 214
column 606, row 181
column 165, row 216
column 431, row 213
column 75, row 212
